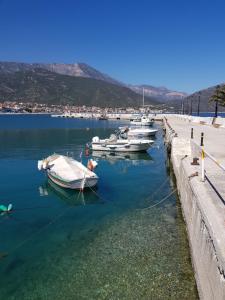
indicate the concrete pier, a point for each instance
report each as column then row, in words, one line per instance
column 203, row 203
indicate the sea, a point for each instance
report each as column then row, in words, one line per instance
column 210, row 114
column 125, row 239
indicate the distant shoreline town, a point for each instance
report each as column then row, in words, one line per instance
column 38, row 108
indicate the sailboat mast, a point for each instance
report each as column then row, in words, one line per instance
column 143, row 97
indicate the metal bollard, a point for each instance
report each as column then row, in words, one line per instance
column 202, row 139
column 195, row 159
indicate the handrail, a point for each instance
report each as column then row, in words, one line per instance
column 204, row 153
column 209, row 155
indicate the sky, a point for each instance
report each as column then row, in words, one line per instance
column 179, row 44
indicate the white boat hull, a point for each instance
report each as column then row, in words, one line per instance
column 141, row 123
column 142, row 133
column 75, row 185
column 125, row 147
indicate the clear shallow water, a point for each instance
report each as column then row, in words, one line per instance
column 62, row 245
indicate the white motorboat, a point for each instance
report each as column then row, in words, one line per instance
column 138, row 132
column 69, row 173
column 117, row 144
column 135, row 116
column 142, row 121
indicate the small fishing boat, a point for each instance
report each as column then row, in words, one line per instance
column 142, row 121
column 117, row 144
column 68, row 172
column 137, row 132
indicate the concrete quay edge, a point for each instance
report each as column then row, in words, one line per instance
column 205, row 231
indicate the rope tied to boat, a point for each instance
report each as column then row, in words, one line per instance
column 155, row 192
column 162, row 200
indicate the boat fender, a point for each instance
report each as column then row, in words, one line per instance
column 40, row 165
column 89, row 165
column 45, row 164
column 92, row 164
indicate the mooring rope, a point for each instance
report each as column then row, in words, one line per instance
column 100, row 197
column 155, row 192
column 162, row 200
column 159, row 188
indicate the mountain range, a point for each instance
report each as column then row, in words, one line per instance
column 17, row 70
column 40, row 85
column 81, row 84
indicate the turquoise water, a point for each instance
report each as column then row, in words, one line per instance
column 102, row 244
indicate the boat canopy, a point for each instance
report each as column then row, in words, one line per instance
column 68, row 169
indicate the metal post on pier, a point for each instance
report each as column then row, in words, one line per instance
column 202, row 139
column 202, row 158
column 191, row 108
column 195, row 158
column 198, row 112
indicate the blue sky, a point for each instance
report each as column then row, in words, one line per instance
column 179, row 44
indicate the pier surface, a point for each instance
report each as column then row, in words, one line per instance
column 203, row 202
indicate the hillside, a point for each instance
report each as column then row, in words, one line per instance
column 76, row 70
column 43, row 86
column 204, row 95
column 160, row 94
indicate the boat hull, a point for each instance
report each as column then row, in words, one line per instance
column 140, row 123
column 141, row 134
column 121, row 148
column 76, row 184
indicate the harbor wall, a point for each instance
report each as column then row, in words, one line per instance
column 205, row 233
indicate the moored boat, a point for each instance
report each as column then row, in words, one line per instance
column 138, row 132
column 117, row 144
column 142, row 121
column 68, row 172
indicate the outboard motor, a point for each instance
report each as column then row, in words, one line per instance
column 95, row 139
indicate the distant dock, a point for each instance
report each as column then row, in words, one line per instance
column 110, row 116
column 197, row 147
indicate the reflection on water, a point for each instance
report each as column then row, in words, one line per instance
column 114, row 156
column 70, row 197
